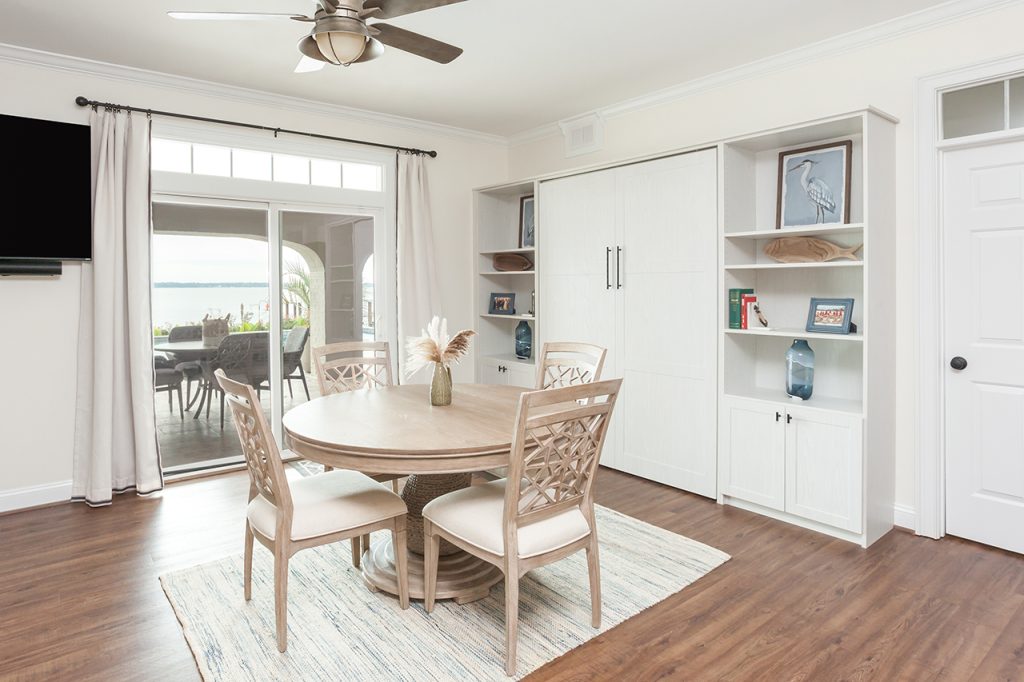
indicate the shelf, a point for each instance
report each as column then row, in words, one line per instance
column 815, row 231
column 525, row 249
column 493, row 273
column 795, row 333
column 528, row 318
column 779, row 397
column 797, row 266
column 508, row 357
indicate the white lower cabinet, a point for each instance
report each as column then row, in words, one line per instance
column 503, row 372
column 804, row 462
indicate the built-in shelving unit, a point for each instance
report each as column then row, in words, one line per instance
column 496, row 232
column 825, row 463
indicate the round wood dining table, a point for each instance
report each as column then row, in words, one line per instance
column 395, row 430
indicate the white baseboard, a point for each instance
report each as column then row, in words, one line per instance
column 905, row 517
column 34, row 496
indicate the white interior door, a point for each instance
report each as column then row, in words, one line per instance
column 983, row 223
column 666, row 277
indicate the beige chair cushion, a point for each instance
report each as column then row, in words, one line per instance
column 474, row 514
column 328, row 503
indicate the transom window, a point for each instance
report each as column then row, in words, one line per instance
column 985, row 108
column 175, row 156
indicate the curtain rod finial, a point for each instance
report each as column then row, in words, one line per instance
column 81, row 101
column 432, row 154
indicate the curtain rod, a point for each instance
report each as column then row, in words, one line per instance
column 84, row 102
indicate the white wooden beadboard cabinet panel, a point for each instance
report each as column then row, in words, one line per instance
column 619, row 249
column 752, row 447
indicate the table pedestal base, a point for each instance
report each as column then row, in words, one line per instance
column 460, row 576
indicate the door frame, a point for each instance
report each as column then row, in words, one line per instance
column 930, row 455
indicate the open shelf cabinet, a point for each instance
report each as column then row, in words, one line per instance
column 496, row 231
column 825, row 463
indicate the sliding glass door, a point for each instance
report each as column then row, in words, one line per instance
column 269, row 282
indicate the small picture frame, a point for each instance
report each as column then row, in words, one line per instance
column 527, row 222
column 831, row 316
column 502, row 304
column 814, row 185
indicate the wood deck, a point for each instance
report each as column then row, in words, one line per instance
column 79, row 596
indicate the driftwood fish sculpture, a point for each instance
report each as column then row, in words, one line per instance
column 808, row 250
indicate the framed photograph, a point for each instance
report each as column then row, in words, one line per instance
column 814, row 185
column 527, row 222
column 831, row 316
column 502, row 304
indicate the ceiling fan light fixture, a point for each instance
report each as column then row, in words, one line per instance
column 338, row 40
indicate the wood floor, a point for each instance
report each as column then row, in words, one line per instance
column 79, row 597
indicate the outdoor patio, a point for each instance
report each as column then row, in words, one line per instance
column 188, row 442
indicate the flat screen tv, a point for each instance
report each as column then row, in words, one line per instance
column 45, row 187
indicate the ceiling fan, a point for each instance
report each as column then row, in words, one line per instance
column 341, row 36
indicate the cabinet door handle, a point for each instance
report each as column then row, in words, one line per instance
column 778, row 416
column 789, row 418
column 618, row 268
column 608, row 267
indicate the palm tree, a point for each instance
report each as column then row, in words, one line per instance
column 296, row 284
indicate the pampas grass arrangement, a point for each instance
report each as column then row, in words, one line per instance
column 434, row 346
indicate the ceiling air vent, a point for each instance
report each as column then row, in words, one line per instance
column 583, row 134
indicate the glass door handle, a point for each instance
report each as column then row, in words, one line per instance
column 608, row 267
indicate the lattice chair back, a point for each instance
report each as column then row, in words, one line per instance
column 262, row 458
column 185, row 333
column 352, row 365
column 556, row 446
column 569, row 364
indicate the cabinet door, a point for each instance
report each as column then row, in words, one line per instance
column 824, row 467
column 576, row 292
column 519, row 374
column 752, row 436
column 667, row 277
column 490, row 373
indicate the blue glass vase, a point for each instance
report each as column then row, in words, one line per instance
column 800, row 370
column 524, row 340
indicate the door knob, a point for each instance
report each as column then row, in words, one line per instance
column 958, row 363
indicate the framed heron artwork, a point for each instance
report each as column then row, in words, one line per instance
column 814, row 185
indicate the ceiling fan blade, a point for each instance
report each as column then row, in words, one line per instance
column 307, row 65
column 235, row 16
column 396, row 8
column 416, row 44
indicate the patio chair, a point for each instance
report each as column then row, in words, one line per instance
column 191, row 369
column 236, row 355
column 294, row 345
column 168, row 380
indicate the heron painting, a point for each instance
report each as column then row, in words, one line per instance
column 814, row 185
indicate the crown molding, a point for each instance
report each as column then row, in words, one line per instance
column 932, row 17
column 17, row 54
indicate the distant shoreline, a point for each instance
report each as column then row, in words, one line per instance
column 209, row 285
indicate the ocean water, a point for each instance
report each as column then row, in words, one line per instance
column 178, row 306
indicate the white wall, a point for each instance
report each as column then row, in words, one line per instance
column 39, row 317
column 883, row 75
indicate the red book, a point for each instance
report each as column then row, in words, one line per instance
column 745, row 299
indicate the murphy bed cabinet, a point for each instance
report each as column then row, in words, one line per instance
column 627, row 261
column 639, row 258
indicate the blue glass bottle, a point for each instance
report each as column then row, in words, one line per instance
column 524, row 340
column 800, row 370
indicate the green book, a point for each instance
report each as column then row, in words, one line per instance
column 734, row 306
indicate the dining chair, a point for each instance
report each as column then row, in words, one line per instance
column 352, row 366
column 547, row 514
column 569, row 363
column 287, row 517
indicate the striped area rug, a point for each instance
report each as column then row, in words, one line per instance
column 339, row 630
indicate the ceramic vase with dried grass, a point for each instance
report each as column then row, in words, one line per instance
column 434, row 346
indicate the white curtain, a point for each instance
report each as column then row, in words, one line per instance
column 418, row 298
column 115, row 422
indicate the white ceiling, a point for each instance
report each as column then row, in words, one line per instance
column 526, row 62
